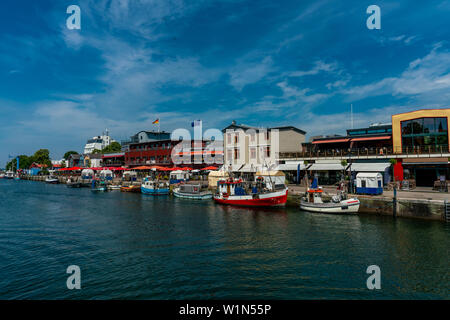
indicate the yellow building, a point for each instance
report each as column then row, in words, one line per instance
column 421, row 130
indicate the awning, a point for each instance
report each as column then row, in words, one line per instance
column 371, row 138
column 290, row 166
column 425, row 161
column 369, row 167
column 326, row 167
column 330, row 141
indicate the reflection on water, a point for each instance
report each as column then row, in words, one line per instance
column 135, row 246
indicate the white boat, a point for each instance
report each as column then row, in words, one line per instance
column 2, row 175
column 9, row 174
column 312, row 202
column 192, row 191
column 52, row 180
column 114, row 187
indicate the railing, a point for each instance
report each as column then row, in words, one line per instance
column 357, row 152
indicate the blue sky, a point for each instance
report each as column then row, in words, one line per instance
column 263, row 63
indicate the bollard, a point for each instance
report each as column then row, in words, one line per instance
column 394, row 203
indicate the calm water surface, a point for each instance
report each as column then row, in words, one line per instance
column 133, row 246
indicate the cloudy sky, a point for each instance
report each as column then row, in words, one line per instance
column 262, row 63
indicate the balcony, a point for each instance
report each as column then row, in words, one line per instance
column 369, row 153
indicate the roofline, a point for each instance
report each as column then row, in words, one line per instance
column 434, row 109
column 282, row 128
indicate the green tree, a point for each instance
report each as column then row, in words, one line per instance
column 24, row 163
column 113, row 147
column 42, row 156
column 68, row 153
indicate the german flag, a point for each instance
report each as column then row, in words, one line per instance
column 156, row 121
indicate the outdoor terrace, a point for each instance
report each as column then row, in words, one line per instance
column 368, row 153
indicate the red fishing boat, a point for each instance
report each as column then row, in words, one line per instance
column 238, row 193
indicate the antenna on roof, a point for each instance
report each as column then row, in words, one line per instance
column 351, row 115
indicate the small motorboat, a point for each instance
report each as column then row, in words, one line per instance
column 312, row 202
column 9, row 175
column 98, row 186
column 236, row 192
column 192, row 191
column 113, row 187
column 154, row 187
column 74, row 184
column 132, row 188
column 51, row 180
column 2, row 175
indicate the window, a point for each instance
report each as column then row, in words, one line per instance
column 252, row 136
column 229, row 154
column 428, row 125
column 252, row 153
column 406, row 127
column 267, row 135
column 236, row 153
column 236, row 138
column 267, row 151
column 424, row 132
column 229, row 138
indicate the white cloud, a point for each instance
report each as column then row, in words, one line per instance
column 427, row 78
column 245, row 73
column 319, row 66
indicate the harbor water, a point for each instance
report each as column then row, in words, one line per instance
column 135, row 246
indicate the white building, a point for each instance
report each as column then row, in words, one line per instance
column 247, row 149
column 98, row 143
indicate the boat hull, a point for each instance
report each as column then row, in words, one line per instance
column 74, row 185
column 135, row 189
column 154, row 192
column 350, row 206
column 200, row 196
column 272, row 199
column 100, row 189
column 52, row 181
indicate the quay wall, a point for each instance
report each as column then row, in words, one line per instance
column 405, row 208
column 379, row 205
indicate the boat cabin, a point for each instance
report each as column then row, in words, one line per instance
column 314, row 195
column 190, row 188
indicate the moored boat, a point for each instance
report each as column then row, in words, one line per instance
column 73, row 184
column 132, row 188
column 9, row 174
column 154, row 187
column 313, row 202
column 98, row 186
column 192, row 191
column 51, row 180
column 114, row 187
column 235, row 192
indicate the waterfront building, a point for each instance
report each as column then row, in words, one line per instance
column 415, row 144
column 92, row 160
column 116, row 159
column 248, row 149
column 377, row 138
column 423, row 133
column 157, row 148
column 98, row 143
